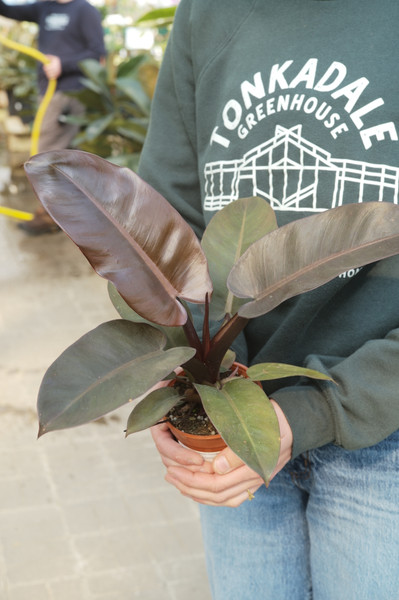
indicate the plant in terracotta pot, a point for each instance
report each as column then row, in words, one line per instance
column 159, row 352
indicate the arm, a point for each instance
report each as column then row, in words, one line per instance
column 21, row 12
column 360, row 411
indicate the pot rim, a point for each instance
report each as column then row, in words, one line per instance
column 203, row 442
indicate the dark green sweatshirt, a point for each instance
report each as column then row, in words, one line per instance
column 295, row 101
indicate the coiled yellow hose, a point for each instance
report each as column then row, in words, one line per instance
column 51, row 87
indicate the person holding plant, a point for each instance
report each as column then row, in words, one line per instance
column 69, row 32
column 294, row 102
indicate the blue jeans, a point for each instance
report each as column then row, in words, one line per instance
column 327, row 528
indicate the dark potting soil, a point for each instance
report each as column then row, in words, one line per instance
column 190, row 417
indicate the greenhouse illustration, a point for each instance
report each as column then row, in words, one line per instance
column 288, row 171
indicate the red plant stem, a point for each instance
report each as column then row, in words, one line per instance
column 222, row 341
column 205, row 329
column 192, row 338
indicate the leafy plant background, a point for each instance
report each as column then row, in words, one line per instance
column 18, row 71
column 117, row 95
column 117, row 100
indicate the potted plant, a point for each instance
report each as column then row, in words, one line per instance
column 159, row 272
column 117, row 101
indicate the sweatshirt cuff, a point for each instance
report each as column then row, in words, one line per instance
column 309, row 416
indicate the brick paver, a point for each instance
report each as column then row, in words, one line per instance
column 84, row 514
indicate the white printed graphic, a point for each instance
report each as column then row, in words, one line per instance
column 292, row 174
column 57, row 22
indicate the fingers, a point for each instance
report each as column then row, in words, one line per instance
column 172, row 453
column 196, row 479
column 233, row 502
column 53, row 69
column 226, row 461
column 230, row 489
column 225, row 482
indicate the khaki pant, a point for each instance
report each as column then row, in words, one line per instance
column 53, row 134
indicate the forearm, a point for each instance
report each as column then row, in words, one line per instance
column 23, row 12
column 359, row 410
column 71, row 64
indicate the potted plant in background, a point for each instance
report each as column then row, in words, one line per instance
column 245, row 267
column 117, row 101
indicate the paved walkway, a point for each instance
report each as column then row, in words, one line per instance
column 84, row 514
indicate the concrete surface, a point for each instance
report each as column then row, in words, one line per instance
column 85, row 514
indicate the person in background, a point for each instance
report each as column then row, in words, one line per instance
column 69, row 32
column 295, row 101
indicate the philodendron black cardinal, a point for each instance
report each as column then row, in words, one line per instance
column 244, row 267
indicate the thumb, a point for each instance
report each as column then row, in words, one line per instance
column 226, row 461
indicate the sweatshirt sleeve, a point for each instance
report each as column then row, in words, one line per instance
column 169, row 157
column 359, row 410
column 21, row 12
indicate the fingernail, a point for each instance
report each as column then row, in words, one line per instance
column 221, row 465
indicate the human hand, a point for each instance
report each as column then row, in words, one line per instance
column 194, row 477
column 52, row 69
column 225, row 482
column 174, row 454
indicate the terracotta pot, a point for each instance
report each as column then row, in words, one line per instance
column 201, row 443
column 207, row 445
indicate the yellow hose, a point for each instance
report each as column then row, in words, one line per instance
column 51, row 86
column 25, row 49
column 37, row 123
column 22, row 215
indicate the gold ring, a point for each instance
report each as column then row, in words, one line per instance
column 250, row 495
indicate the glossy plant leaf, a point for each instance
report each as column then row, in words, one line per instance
column 174, row 335
column 112, row 364
column 134, row 90
column 245, row 418
column 128, row 232
column 268, row 371
column 94, row 86
column 163, row 16
column 227, row 236
column 228, row 360
column 132, row 130
column 307, row 253
column 98, row 126
column 95, row 72
column 152, row 409
column 129, row 66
